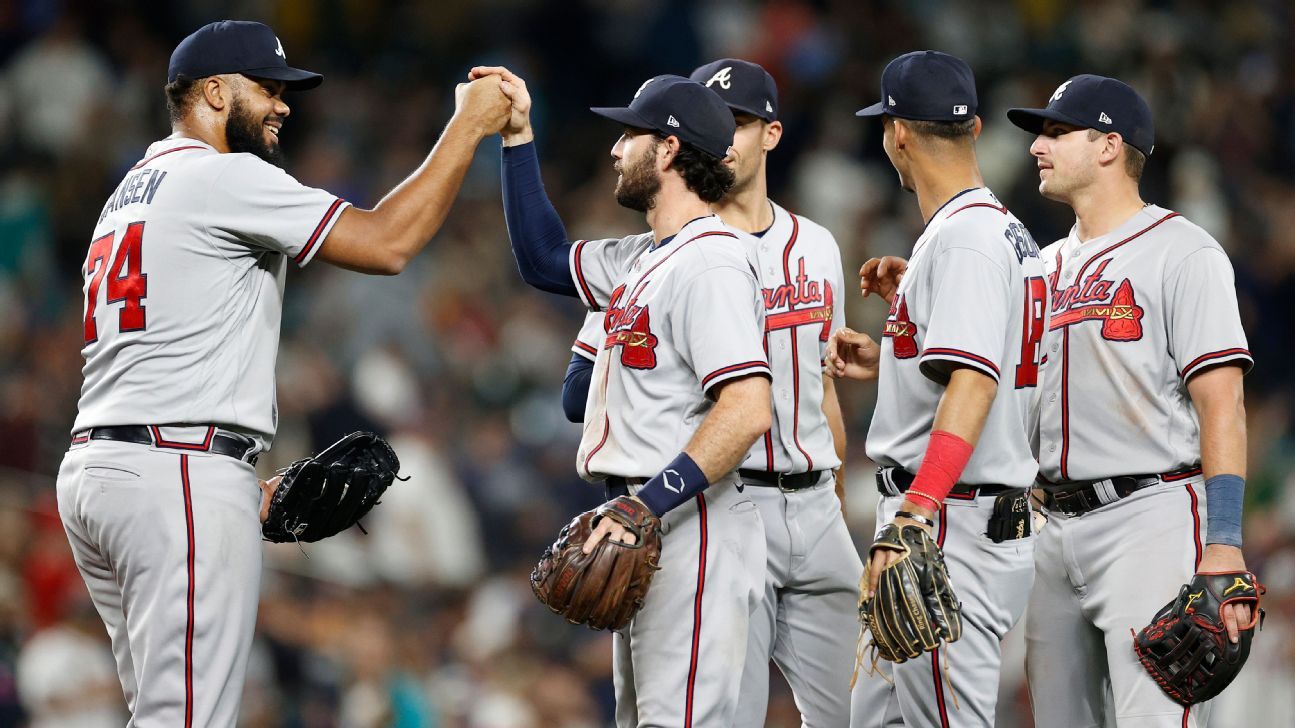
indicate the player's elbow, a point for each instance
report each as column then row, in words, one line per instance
column 390, row 264
column 751, row 402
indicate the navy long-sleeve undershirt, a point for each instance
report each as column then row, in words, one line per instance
column 575, row 388
column 538, row 237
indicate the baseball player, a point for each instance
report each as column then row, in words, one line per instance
column 957, row 372
column 183, row 295
column 680, row 386
column 811, row 586
column 1141, row 416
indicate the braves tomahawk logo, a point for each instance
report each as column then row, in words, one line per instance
column 630, row 328
column 1091, row 300
column 901, row 330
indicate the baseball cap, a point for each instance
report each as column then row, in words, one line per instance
column 926, row 86
column 676, row 106
column 237, row 46
column 743, row 85
column 1095, row 102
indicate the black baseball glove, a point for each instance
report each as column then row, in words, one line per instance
column 1186, row 647
column 914, row 609
column 326, row 494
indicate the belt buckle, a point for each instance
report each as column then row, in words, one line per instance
column 778, row 482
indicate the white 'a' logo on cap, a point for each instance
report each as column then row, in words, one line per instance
column 1060, row 90
column 724, row 77
column 645, row 83
column 279, row 51
column 672, row 121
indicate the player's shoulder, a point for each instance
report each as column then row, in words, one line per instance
column 806, row 229
column 720, row 246
column 1181, row 233
column 982, row 224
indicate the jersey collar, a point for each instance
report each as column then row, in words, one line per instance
column 686, row 226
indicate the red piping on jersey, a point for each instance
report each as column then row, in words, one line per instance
column 161, row 154
column 316, row 236
column 960, row 354
column 1203, row 358
column 1196, row 528
column 204, row 446
column 192, row 570
column 582, row 346
column 795, row 348
column 696, row 610
column 1065, row 343
column 580, row 277
column 768, row 434
column 607, row 423
column 1186, row 712
column 706, row 380
column 1183, row 475
column 1000, row 208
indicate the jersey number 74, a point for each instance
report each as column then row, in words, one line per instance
column 129, row 285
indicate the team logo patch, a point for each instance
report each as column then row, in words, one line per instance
column 1061, row 90
column 723, row 77
column 279, row 50
column 630, row 328
column 901, row 330
column 1091, row 300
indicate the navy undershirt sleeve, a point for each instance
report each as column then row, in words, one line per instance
column 575, row 388
column 535, row 230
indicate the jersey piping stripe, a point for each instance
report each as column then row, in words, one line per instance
column 1237, row 353
column 935, row 654
column 316, row 236
column 941, row 352
column 1186, row 712
column 607, row 423
column 192, row 571
column 732, row 369
column 582, row 347
column 585, row 293
column 1065, row 342
column 1000, row 208
column 1196, row 527
column 696, row 610
column 768, row 434
column 793, row 332
column 163, row 154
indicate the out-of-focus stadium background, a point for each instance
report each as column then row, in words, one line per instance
column 428, row 621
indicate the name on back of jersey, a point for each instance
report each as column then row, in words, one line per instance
column 139, row 186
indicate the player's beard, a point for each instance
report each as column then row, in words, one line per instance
column 639, row 182
column 244, row 132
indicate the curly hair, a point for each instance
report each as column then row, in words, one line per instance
column 179, row 96
column 705, row 175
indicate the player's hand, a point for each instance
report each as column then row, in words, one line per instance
column 611, row 529
column 267, row 494
column 882, row 557
column 1221, row 557
column 518, row 128
column 482, row 104
column 852, row 355
column 882, row 276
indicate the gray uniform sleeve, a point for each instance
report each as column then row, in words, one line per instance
column 1203, row 318
column 835, row 296
column 969, row 313
column 263, row 206
column 598, row 266
column 718, row 327
column 591, row 336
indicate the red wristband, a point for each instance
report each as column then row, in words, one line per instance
column 946, row 457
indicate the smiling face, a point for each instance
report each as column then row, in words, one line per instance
column 256, row 115
column 1067, row 160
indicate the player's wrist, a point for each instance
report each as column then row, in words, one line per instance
column 1224, row 497
column 514, row 139
column 675, row 485
column 946, row 457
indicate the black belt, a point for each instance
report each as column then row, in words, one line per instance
column 897, row 481
column 221, row 442
column 781, row 481
column 1079, row 497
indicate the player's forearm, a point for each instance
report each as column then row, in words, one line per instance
column 835, row 424
column 959, row 419
column 535, row 230
column 742, row 413
column 1219, row 399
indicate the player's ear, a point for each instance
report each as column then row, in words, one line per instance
column 976, row 127
column 772, row 135
column 1112, row 145
column 216, row 92
column 665, row 152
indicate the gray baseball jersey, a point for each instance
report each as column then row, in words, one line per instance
column 681, row 317
column 973, row 295
column 1134, row 314
column 184, row 288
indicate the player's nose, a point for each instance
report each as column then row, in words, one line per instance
column 1040, row 146
column 618, row 148
column 281, row 107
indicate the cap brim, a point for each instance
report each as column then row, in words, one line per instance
column 876, row 109
column 753, row 112
column 295, row 78
column 1032, row 120
column 623, row 115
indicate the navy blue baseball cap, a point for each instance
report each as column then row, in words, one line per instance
column 1095, row 102
column 237, row 46
column 926, row 86
column 745, row 86
column 676, row 106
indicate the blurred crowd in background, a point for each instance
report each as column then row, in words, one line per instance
column 428, row 620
